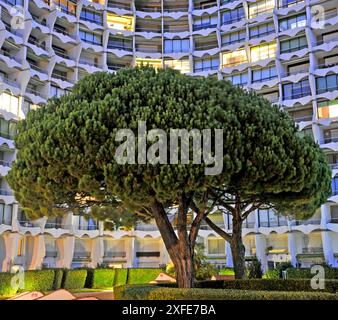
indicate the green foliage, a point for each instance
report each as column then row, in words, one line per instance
column 58, row 275
column 39, row 280
column 74, row 279
column 142, row 276
column 160, row 293
column 227, row 272
column 255, row 270
column 170, row 269
column 103, row 278
column 271, row 274
column 204, row 269
column 5, row 284
column 121, row 276
column 305, row 273
column 268, row 284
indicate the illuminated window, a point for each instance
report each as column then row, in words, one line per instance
column 120, row 22
column 156, row 63
column 234, row 58
column 261, row 7
column 328, row 109
column 265, row 51
column 9, row 103
column 66, row 6
column 182, row 65
column 216, row 246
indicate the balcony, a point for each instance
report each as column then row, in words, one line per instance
column 26, row 223
column 6, row 220
column 82, row 256
column 313, row 251
column 5, row 163
column 51, row 254
column 146, row 227
column 114, row 255
column 5, row 192
column 197, row 27
column 286, row 4
column 147, row 254
column 305, row 222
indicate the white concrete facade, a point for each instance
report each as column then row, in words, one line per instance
column 276, row 47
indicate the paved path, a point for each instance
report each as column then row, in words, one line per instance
column 106, row 295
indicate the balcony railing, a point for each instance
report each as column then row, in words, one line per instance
column 51, row 254
column 6, row 220
column 146, row 227
column 117, row 254
column 312, row 250
column 84, row 255
column 119, row 5
column 204, row 26
column 289, row 4
column 305, row 222
column 54, row 225
column 147, row 254
column 4, row 192
column 329, row 139
column 333, row 220
column 5, row 163
column 26, row 223
column 218, row 224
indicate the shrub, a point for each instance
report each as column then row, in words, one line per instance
column 58, row 274
column 120, row 277
column 305, row 273
column 227, row 272
column 103, row 278
column 255, row 270
column 142, row 275
column 272, row 274
column 74, row 279
column 152, row 292
column 5, row 284
column 268, row 285
column 39, row 280
column 90, row 278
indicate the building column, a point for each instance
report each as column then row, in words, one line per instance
column 97, row 251
column 66, row 252
column 11, row 248
column 229, row 260
column 325, row 215
column 292, row 248
column 261, row 250
column 39, row 252
column 130, row 251
column 327, row 247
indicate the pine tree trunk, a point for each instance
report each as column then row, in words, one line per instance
column 238, row 250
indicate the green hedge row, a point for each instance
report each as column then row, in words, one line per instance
column 53, row 279
column 268, row 285
column 153, row 292
column 302, row 273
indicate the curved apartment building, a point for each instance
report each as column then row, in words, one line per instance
column 287, row 50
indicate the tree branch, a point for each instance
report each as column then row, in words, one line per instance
column 218, row 230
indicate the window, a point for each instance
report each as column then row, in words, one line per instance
column 293, row 22
column 232, row 16
column 57, row 92
column 66, row 6
column 234, row 37
column 262, row 30
column 176, row 45
column 296, row 90
column 261, row 7
column 328, row 109
column 288, row 3
column 206, row 64
column 8, row 129
column 92, row 38
column 293, row 45
column 6, row 214
column 205, row 21
column 264, row 74
column 120, row 22
column 120, row 43
column 328, row 83
column 335, row 186
column 91, row 16
column 234, row 58
column 9, row 103
column 216, row 246
column 238, row 79
column 264, row 51
column 270, row 218
column 182, row 65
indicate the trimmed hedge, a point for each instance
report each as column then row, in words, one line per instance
column 39, row 280
column 58, row 274
column 268, row 285
column 153, row 292
column 142, row 275
column 103, row 278
column 5, row 284
column 121, row 276
column 305, row 273
column 74, row 279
